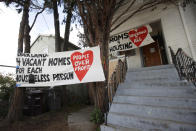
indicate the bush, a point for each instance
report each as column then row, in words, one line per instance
column 3, row 109
column 97, row 116
column 7, row 84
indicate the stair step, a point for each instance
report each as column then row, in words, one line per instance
column 110, row 127
column 184, row 93
column 165, row 78
column 153, row 72
column 160, row 83
column 174, row 83
column 157, row 101
column 151, row 75
column 157, row 112
column 145, row 123
column 153, row 98
column 152, row 68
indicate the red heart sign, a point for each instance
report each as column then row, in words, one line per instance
column 138, row 36
column 81, row 63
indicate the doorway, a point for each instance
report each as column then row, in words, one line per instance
column 154, row 54
column 151, row 55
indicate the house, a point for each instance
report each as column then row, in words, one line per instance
column 152, row 96
column 46, row 44
column 42, row 99
column 172, row 25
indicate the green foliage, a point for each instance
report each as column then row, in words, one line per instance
column 7, row 84
column 3, row 109
column 97, row 116
column 98, row 128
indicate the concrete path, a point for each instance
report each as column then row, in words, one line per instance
column 80, row 120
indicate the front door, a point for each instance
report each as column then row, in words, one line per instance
column 151, row 55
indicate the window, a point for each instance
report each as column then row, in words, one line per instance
column 128, row 52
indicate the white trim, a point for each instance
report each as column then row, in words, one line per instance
column 187, row 32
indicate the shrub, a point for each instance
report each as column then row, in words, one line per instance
column 97, row 116
column 7, row 84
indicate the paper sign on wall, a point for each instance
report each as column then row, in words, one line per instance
column 61, row 68
column 130, row 39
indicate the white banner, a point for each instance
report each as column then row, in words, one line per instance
column 61, row 68
column 130, row 40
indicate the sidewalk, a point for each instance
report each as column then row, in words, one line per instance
column 80, row 120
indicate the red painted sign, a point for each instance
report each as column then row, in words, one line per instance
column 137, row 36
column 81, row 63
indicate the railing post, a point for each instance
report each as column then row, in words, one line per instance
column 185, row 65
column 117, row 77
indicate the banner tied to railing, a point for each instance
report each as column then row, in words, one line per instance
column 61, row 68
column 130, row 39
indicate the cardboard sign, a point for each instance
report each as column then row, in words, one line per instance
column 61, row 68
column 130, row 39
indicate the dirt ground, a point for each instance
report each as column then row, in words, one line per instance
column 81, row 120
column 51, row 121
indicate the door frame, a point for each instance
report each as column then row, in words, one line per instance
column 159, row 55
column 164, row 44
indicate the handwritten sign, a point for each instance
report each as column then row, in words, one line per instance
column 62, row 68
column 130, row 39
column 138, row 36
column 82, row 63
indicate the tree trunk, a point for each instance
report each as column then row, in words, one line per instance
column 65, row 46
column 91, row 93
column 56, row 26
column 97, row 18
column 101, row 86
column 27, row 38
column 15, row 112
column 22, row 28
column 67, row 26
column 60, row 90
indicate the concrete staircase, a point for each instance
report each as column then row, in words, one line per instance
column 153, row 98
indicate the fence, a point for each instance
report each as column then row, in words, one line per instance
column 185, row 65
column 118, row 76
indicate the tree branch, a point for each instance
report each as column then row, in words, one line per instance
column 93, row 13
column 141, row 8
column 81, row 11
column 118, row 5
column 123, row 12
column 34, row 6
column 36, row 18
column 19, row 2
column 85, row 18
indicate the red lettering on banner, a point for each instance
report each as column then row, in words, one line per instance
column 137, row 37
column 81, row 63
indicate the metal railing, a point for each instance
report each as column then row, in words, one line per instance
column 185, row 65
column 118, row 76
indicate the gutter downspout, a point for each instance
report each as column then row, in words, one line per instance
column 187, row 32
